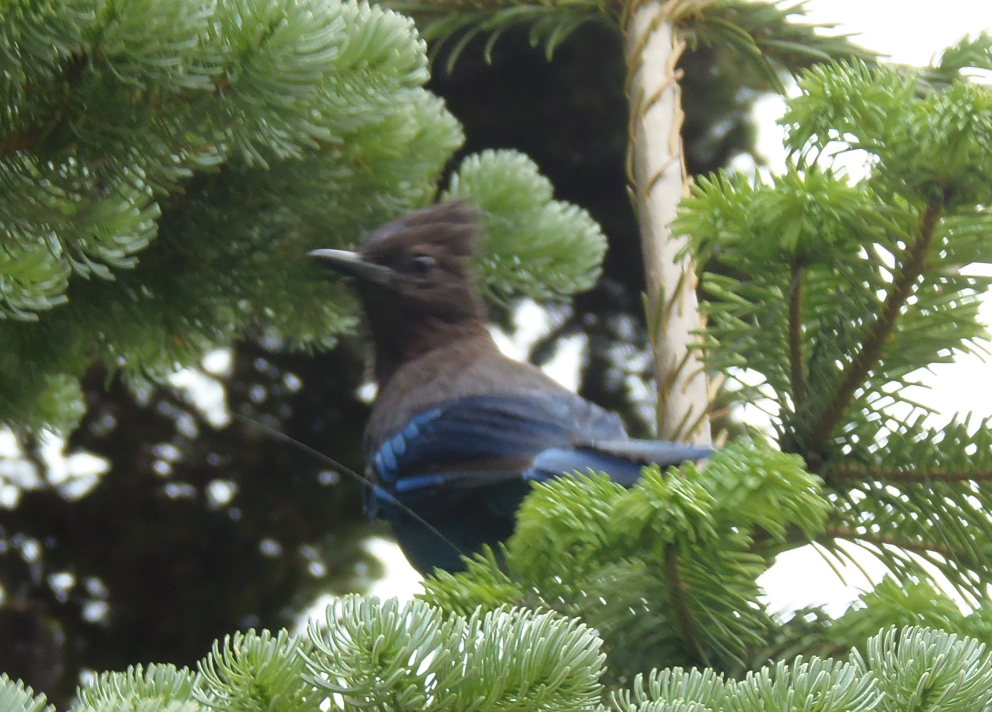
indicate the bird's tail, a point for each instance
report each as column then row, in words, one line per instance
column 622, row 460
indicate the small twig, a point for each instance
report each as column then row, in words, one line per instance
column 912, row 476
column 871, row 349
column 657, row 177
column 670, row 81
column 883, row 540
column 698, row 422
column 676, row 300
column 680, row 605
column 680, row 430
column 796, row 365
column 666, row 386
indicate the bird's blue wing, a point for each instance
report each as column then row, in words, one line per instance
column 480, row 442
column 476, row 428
column 462, row 468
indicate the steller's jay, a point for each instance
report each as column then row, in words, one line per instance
column 458, row 430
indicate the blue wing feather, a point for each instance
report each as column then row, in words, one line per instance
column 554, row 462
column 466, row 465
column 518, row 425
column 467, row 443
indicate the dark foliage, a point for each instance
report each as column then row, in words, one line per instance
column 161, row 567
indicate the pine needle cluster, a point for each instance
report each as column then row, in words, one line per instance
column 851, row 288
column 769, row 35
column 381, row 656
column 665, row 571
column 165, row 167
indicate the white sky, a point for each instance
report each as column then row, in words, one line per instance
column 910, row 32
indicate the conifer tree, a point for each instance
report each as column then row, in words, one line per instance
column 177, row 567
column 238, row 137
column 161, row 578
column 165, row 167
column 834, row 292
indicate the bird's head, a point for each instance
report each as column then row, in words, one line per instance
column 414, row 279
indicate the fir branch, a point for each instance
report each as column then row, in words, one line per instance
column 159, row 682
column 796, row 363
column 871, row 350
column 527, row 232
column 680, row 604
column 839, row 475
column 34, row 138
column 922, row 668
column 883, row 540
column 767, row 35
column 15, row 696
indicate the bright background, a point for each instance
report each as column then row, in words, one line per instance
column 909, row 32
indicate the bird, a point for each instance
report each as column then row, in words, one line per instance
column 459, row 431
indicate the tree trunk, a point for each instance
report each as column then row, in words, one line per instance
column 656, row 170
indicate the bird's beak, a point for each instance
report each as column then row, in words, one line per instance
column 351, row 264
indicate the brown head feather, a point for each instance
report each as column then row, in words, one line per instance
column 452, row 226
column 430, row 299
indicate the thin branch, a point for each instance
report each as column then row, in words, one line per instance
column 656, row 177
column 911, row 476
column 19, row 141
column 34, row 138
column 883, row 540
column 680, row 605
column 871, row 351
column 796, row 363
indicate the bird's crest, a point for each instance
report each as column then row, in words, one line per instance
column 446, row 230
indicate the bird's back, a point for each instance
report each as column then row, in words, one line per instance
column 473, row 368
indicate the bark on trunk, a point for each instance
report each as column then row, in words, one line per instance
column 657, row 171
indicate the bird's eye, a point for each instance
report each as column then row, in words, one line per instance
column 422, row 264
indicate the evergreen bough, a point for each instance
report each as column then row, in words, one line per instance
column 382, row 656
column 165, row 167
column 163, row 179
column 831, row 293
column 850, row 289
